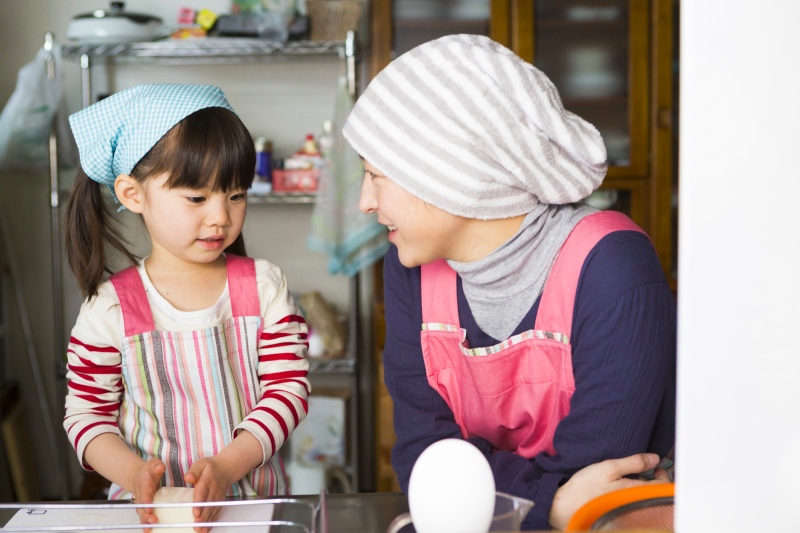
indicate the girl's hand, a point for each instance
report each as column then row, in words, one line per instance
column 598, row 479
column 145, row 481
column 211, row 482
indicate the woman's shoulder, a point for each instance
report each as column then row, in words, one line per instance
column 631, row 251
column 620, row 262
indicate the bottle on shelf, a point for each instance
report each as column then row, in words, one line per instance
column 326, row 140
column 263, row 171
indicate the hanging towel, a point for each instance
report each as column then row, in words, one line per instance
column 352, row 239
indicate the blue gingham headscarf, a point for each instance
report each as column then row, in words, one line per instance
column 115, row 133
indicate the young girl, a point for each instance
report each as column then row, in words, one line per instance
column 188, row 367
column 531, row 325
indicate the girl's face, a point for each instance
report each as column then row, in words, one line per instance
column 191, row 225
column 422, row 233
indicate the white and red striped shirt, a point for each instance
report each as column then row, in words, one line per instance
column 94, row 360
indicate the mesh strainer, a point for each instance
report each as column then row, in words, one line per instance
column 648, row 507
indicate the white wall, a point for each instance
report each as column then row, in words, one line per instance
column 280, row 100
column 738, row 445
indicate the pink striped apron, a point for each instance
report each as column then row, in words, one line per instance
column 515, row 393
column 186, row 391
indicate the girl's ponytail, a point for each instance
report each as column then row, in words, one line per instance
column 89, row 230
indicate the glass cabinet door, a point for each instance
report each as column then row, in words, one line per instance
column 419, row 21
column 596, row 53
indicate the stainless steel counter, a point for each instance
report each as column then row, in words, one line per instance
column 363, row 513
column 347, row 513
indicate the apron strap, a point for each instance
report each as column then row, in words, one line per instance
column 136, row 314
column 242, row 285
column 438, row 293
column 138, row 318
column 558, row 296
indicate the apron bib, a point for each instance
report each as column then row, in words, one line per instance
column 513, row 394
column 186, row 391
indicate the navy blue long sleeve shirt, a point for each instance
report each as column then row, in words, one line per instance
column 623, row 358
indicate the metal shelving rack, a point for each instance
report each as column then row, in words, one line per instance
column 208, row 51
column 243, row 50
column 281, row 198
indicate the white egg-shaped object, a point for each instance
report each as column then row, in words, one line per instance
column 451, row 489
column 174, row 515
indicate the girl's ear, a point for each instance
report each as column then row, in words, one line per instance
column 129, row 192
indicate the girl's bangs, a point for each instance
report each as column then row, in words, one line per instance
column 210, row 148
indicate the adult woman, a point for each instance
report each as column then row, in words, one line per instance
column 548, row 328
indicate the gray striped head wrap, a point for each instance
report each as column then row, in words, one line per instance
column 466, row 125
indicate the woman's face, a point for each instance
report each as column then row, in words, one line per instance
column 422, row 233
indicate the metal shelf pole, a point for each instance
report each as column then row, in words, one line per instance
column 55, row 245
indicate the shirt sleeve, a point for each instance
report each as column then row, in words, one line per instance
column 623, row 359
column 282, row 367
column 94, row 376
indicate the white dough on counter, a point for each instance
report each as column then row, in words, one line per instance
column 175, row 515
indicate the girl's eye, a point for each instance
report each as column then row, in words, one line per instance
column 238, row 197
column 196, row 199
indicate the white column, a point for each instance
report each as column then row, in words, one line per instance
column 738, row 442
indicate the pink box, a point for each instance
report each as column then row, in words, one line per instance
column 295, row 180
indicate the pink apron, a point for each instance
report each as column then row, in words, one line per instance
column 515, row 393
column 186, row 391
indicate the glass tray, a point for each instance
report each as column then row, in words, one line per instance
column 273, row 515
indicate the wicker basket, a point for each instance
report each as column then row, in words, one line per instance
column 330, row 19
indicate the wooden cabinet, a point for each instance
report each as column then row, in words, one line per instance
column 613, row 62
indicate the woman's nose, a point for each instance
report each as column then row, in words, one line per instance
column 367, row 203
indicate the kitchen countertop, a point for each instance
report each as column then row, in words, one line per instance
column 347, row 513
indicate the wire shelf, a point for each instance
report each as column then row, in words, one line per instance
column 281, row 198
column 208, row 50
column 331, row 366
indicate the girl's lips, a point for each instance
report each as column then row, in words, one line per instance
column 213, row 243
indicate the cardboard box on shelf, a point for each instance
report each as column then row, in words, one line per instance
column 295, row 180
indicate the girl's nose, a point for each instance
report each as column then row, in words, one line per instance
column 218, row 215
column 368, row 202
